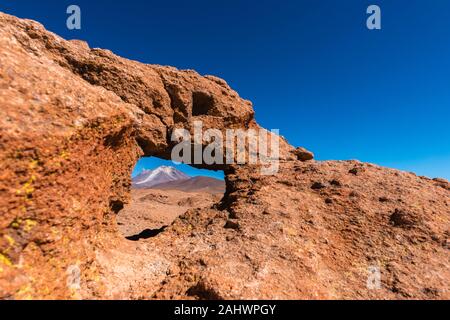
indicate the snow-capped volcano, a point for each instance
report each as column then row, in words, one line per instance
column 163, row 174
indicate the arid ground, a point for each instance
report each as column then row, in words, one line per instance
column 151, row 210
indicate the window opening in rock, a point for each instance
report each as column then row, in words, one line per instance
column 161, row 191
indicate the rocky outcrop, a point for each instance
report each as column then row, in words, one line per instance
column 303, row 154
column 74, row 121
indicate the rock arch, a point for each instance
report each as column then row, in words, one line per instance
column 77, row 120
column 73, row 122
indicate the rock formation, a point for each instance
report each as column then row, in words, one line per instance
column 74, row 121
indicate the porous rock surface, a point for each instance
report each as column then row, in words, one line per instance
column 74, row 121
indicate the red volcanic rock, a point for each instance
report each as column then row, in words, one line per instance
column 74, row 121
column 303, row 154
column 442, row 183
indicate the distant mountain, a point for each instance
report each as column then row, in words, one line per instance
column 169, row 178
column 164, row 174
column 195, row 184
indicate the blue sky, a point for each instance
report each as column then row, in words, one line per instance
column 311, row 68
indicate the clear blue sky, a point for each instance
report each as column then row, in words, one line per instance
column 312, row 68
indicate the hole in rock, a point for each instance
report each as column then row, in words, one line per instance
column 161, row 191
column 201, row 103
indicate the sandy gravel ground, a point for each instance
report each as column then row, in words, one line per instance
column 151, row 210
